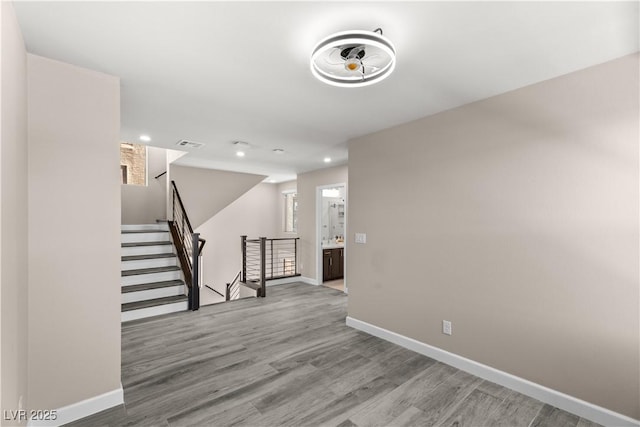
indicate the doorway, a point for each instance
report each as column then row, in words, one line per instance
column 331, row 220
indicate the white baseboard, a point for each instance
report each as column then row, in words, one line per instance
column 82, row 409
column 558, row 399
column 308, row 280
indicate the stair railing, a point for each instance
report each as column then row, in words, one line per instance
column 266, row 259
column 233, row 288
column 188, row 245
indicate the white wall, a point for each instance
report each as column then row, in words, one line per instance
column 144, row 204
column 13, row 214
column 516, row 218
column 254, row 214
column 74, row 233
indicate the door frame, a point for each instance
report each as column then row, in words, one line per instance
column 318, row 248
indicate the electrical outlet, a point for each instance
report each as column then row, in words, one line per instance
column 446, row 327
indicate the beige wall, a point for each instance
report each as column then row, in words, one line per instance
column 13, row 213
column 253, row 214
column 205, row 192
column 144, row 204
column 308, row 245
column 74, row 233
column 516, row 218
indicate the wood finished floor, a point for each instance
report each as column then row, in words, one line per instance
column 290, row 360
column 338, row 284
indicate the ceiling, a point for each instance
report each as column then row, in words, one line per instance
column 218, row 72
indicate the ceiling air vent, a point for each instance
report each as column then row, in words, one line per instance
column 189, row 144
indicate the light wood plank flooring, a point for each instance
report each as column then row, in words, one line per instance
column 289, row 359
column 338, row 284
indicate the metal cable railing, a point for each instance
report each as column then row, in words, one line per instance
column 266, row 259
column 233, row 288
column 188, row 245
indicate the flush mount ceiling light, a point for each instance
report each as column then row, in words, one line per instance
column 353, row 58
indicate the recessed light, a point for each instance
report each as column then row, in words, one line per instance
column 240, row 153
column 327, row 159
column 278, row 150
column 272, row 181
column 145, row 138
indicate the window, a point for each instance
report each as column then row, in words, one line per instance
column 290, row 212
column 133, row 163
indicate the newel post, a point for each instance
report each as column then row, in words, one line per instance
column 194, row 294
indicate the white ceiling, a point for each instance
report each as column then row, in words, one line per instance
column 216, row 72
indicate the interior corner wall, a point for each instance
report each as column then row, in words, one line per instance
column 13, row 215
column 308, row 244
column 516, row 218
column 144, row 204
column 74, row 233
column 205, row 192
column 253, row 214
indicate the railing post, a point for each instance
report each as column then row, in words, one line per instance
column 243, row 248
column 295, row 255
column 194, row 293
column 227, row 294
column 271, row 275
column 263, row 276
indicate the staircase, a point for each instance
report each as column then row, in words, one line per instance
column 152, row 282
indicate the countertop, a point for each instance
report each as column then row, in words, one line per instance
column 333, row 245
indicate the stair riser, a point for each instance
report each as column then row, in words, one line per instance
column 152, row 294
column 153, row 311
column 146, row 250
column 147, row 263
column 144, row 237
column 139, row 279
column 138, row 227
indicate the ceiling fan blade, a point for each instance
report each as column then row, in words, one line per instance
column 371, row 66
column 326, row 60
column 334, row 58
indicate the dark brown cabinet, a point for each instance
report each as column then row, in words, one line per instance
column 333, row 264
